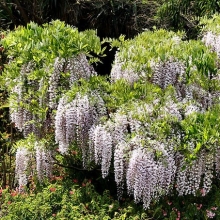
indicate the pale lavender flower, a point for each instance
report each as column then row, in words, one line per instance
column 60, row 126
column 54, row 82
column 102, row 149
column 21, row 165
column 43, row 161
column 118, row 72
column 79, row 67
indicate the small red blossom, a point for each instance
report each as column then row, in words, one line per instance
column 58, row 177
column 71, row 192
column 54, row 215
column 52, row 189
column 164, row 213
column 13, row 193
column 83, row 184
column 9, row 202
column 75, row 180
column 74, row 152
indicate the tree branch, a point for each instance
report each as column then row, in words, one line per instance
column 66, row 166
column 23, row 13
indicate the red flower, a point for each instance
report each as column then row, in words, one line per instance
column 13, row 193
column 58, row 177
column 75, row 180
column 54, row 215
column 71, row 192
column 83, row 184
column 74, row 152
column 52, row 189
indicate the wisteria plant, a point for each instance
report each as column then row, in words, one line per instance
column 153, row 122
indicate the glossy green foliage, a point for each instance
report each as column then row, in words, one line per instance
column 211, row 24
column 65, row 199
column 38, row 46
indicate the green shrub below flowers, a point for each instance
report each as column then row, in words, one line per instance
column 66, row 200
column 70, row 199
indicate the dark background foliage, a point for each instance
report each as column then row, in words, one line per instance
column 110, row 17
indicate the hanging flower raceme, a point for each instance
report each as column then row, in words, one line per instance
column 120, row 72
column 102, row 149
column 32, row 157
column 168, row 73
column 22, row 159
column 212, row 40
column 44, row 161
column 68, row 71
column 149, row 178
column 75, row 119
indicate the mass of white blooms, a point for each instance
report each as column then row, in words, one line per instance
column 140, row 138
column 120, row 72
column 103, row 149
column 79, row 67
column 44, row 162
column 168, row 73
column 212, row 40
column 54, row 81
column 74, row 121
column 21, row 165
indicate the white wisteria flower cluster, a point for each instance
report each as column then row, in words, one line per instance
column 49, row 88
column 146, row 162
column 76, row 67
column 31, row 160
column 74, row 120
column 44, row 161
column 114, row 135
column 212, row 40
column 23, row 156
